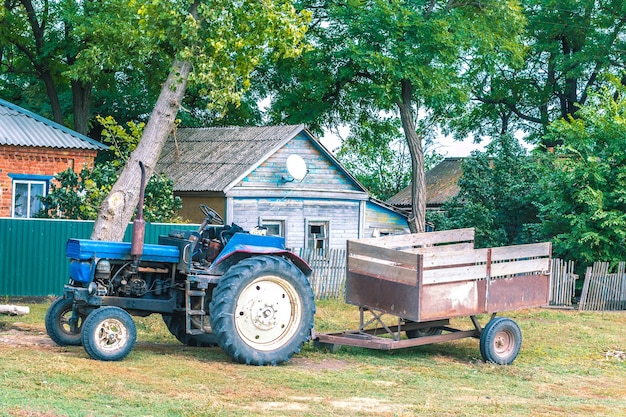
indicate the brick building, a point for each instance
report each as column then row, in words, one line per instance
column 32, row 151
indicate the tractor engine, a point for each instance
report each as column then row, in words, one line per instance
column 123, row 281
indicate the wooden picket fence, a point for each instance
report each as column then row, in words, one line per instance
column 603, row 290
column 562, row 283
column 329, row 271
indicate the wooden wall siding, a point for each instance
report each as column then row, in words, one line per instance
column 342, row 215
column 322, row 173
column 380, row 218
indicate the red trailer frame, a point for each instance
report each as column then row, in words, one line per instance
column 425, row 279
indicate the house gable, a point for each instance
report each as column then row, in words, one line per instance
column 324, row 173
column 442, row 183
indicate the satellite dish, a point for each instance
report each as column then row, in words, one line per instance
column 296, row 167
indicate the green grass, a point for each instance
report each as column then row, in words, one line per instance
column 562, row 370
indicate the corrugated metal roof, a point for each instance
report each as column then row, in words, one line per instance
column 442, row 183
column 211, row 159
column 20, row 127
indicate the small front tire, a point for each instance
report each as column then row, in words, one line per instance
column 500, row 341
column 58, row 324
column 109, row 334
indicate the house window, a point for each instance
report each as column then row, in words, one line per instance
column 318, row 234
column 26, row 190
column 274, row 227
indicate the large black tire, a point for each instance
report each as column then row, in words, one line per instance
column 178, row 328
column 262, row 311
column 58, row 323
column 500, row 341
column 426, row 331
column 109, row 334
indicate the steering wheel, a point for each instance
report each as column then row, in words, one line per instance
column 211, row 215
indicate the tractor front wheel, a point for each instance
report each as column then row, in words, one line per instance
column 262, row 311
column 109, row 334
column 58, row 324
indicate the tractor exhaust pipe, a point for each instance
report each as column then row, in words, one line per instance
column 139, row 224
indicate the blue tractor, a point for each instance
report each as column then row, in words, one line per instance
column 218, row 285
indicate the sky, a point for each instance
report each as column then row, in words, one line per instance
column 446, row 146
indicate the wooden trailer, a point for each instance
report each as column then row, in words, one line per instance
column 425, row 279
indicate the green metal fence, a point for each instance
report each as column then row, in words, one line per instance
column 32, row 252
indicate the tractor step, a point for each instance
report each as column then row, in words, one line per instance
column 196, row 312
column 194, row 298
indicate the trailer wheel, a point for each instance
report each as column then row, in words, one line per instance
column 500, row 341
column 177, row 326
column 109, row 334
column 58, row 323
column 425, row 332
column 262, row 311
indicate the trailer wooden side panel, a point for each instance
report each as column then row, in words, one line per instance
column 404, row 276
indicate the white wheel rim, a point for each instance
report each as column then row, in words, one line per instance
column 268, row 313
column 111, row 335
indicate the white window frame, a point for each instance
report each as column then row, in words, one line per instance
column 30, row 181
column 325, row 239
column 281, row 222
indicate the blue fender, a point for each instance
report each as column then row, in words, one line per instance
column 244, row 245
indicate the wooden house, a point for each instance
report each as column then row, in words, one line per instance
column 442, row 183
column 32, row 151
column 278, row 177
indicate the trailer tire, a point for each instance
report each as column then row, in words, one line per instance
column 262, row 311
column 177, row 326
column 109, row 334
column 500, row 341
column 58, row 323
column 425, row 332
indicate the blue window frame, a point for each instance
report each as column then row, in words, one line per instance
column 26, row 190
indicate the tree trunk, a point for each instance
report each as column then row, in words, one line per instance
column 118, row 208
column 51, row 92
column 14, row 310
column 81, row 100
column 417, row 220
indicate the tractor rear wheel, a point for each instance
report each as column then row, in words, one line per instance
column 262, row 311
column 109, row 334
column 58, row 324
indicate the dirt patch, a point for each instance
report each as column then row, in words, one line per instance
column 22, row 334
column 319, row 365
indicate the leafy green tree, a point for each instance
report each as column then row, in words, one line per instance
column 78, row 52
column 213, row 44
column 377, row 158
column 569, row 44
column 497, row 196
column 408, row 59
column 584, row 181
column 79, row 195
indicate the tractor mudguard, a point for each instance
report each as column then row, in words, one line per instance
column 244, row 245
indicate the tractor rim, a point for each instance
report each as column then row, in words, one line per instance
column 268, row 313
column 111, row 335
